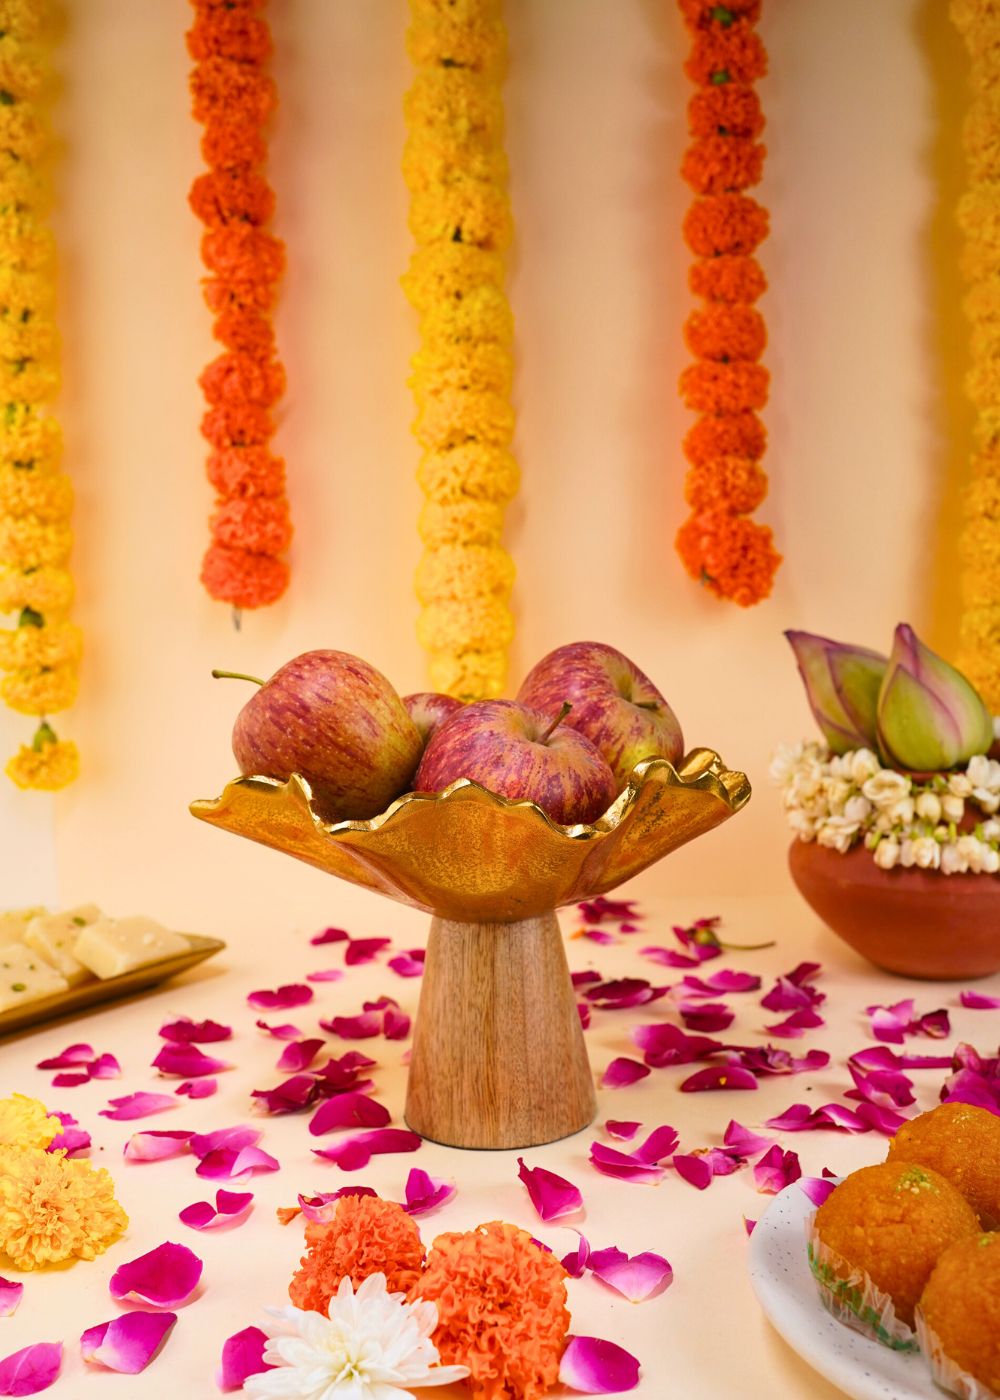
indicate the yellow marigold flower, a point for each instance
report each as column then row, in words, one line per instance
column 23, row 292
column 54, row 1208
column 469, row 675
column 46, row 590
column 28, row 381
column 457, row 33
column 23, row 131
column 466, row 211
column 980, row 542
column 47, row 765
column 982, row 138
column 484, row 367
column 24, row 491
column 22, row 72
column 25, row 1122
column 27, row 543
column 475, row 624
column 453, row 104
column 984, row 343
column 444, row 271
column 474, row 471
column 458, row 415
column 35, row 692
column 982, row 498
column 481, row 315
column 29, row 438
column 22, row 18
column 33, row 339
column 982, row 383
column 29, row 647
column 982, row 302
column 464, row 522
column 461, row 572
column 21, row 184
column 429, row 168
column 981, row 586
column 979, row 259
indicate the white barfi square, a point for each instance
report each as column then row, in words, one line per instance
column 14, row 922
column 110, row 947
column 25, row 977
column 53, row 935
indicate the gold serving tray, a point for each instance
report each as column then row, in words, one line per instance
column 89, row 994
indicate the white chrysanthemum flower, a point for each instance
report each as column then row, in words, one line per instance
column 373, row 1345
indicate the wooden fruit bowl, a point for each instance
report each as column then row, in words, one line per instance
column 498, row 1055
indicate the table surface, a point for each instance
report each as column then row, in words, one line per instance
column 704, row 1338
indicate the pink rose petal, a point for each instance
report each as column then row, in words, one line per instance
column 299, row 1055
column 166, row 1276
column 816, row 1188
column 623, row 992
column 342, row 1073
column 321, row 1207
column 624, row 1130
column 775, row 1059
column 597, row 1367
column 743, row 1141
column 285, row 1032
column 795, row 1025
column 139, row 1105
column 70, row 1081
column 325, row 974
column 695, row 1170
column 10, row 1297
column 230, row 1207
column 187, row 1061
column 410, row 964
column 356, row 1152
column 622, row 1072
column 242, row 1356
column 187, row 1032
column 231, row 1163
column 30, row 1370
column 583, row 1011
column 801, row 1118
column 349, row 1110
column 198, row 1088
column 551, row 1195
column 935, row 1023
column 575, row 1263
column 155, row 1146
column 724, row 1160
column 424, row 1192
column 128, row 1343
column 77, row 1054
column 636, row 1278
column 660, row 1143
column 72, row 1139
column 881, row 1057
column 396, row 1024
column 105, row 1067
column 749, row 1226
column 585, row 978
column 598, row 935
column 360, row 1027
column 978, row 1001
column 292, row 994
column 600, row 907
column 364, row 950
column 666, row 1044
column 776, row 1170
column 622, row 1165
column 718, row 1077
column 291, row 1095
column 882, row 1120
column 723, row 982
column 889, row 1088
column 331, row 935
column 706, row 1016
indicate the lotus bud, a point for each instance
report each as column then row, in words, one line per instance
column 929, row 716
column 842, row 686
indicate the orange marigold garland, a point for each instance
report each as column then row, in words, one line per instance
column 719, row 545
column 233, row 97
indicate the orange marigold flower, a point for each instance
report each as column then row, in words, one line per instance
column 228, row 196
column 732, row 54
column 501, row 1303
column 699, row 14
column 719, row 164
column 732, row 109
column 726, row 483
column 710, row 387
column 237, row 425
column 728, row 279
column 737, row 435
column 246, row 331
column 259, row 523
column 243, row 579
column 721, row 332
column 222, row 90
column 366, row 1236
column 239, row 294
column 242, row 253
column 731, row 554
column 229, row 33
column 725, row 224
column 238, row 379
column 228, row 143
column 246, row 471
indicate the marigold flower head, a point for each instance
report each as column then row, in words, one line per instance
column 484, row 367
column 24, row 19
column 710, row 387
column 40, row 692
column 725, row 225
column 736, row 435
column 721, row 164
column 225, row 143
column 501, row 1303
column 366, row 1236
column 724, row 54
column 232, row 32
column 731, row 554
column 24, row 1122
column 34, row 339
column 22, row 185
column 52, row 765
column 223, row 90
column 461, row 34
column 29, row 438
column 468, row 674
column 46, row 590
column 474, row 471
column 703, row 14
column 246, row 471
column 55, row 643
column 449, row 271
column 242, row 253
column 981, row 303
column 980, row 542
column 982, row 383
column 46, row 496
column 726, row 483
column 246, row 294
column 24, row 131
column 22, row 67
column 28, row 381
column 728, row 279
column 229, row 196
column 237, row 425
column 242, row 379
column 481, row 315
column 246, row 332
column 732, row 109
column 981, row 585
column 430, row 169
column 261, row 524
column 723, row 332
column 460, row 522
column 464, row 211
column 54, row 1208
column 242, row 579
column 468, row 624
column 28, row 543
column 453, row 105
column 463, row 571
column 459, row 415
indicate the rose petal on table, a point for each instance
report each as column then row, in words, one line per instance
column 583, row 1011
column 660, row 1143
column 695, row 1170
column 600, row 907
column 978, row 1001
column 70, row 1081
column 356, row 1152
column 718, row 1077
column 424, row 1192
column 585, row 978
column 364, row 950
column 575, row 1263
column 155, row 1146
column 77, row 1054
column 187, row 1032
column 291, row 1095
column 104, row 1067
column 325, row 974
column 883, row 1120
column 242, row 1356
column 936, row 1024
column 166, row 1276
column 72, row 1139
column 331, row 935
column 281, row 998
column 610, row 1162
column 775, row 1059
column 240, row 1135
column 744, row 1140
column 801, row 1118
column 128, row 1343
column 776, row 1170
column 348, row 1110
column 396, row 1024
column 665, row 1044
column 891, row 1023
column 285, row 1032
column 409, row 964
column 229, row 1207
column 668, row 957
column 816, row 1188
column 139, row 1105
column 706, row 1016
column 338, row 1074
column 299, row 1054
column 795, row 1025
column 198, row 1088
column 623, row 992
column 231, row 1163
column 360, row 1027
column 728, row 980
column 622, row 1071
column 551, row 1195
column 30, row 1370
column 623, row 1129
column 636, row 1278
column 321, row 1207
column 889, row 1088
column 10, row 1295
column 187, row 1062
column 881, row 1057
column 596, row 1367
column 787, row 995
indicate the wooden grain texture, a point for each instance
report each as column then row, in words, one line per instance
column 498, row 1054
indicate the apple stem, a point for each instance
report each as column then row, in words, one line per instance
column 236, row 676
column 558, row 720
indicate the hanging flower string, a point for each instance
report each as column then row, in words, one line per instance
column 455, row 168
column 233, row 99
column 40, row 654
column 979, row 218
column 732, row 555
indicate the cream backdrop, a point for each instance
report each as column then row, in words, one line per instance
column 866, row 420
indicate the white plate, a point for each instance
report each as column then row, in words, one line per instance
column 786, row 1290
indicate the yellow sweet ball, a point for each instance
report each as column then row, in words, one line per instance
column 474, row 471
column 27, row 543
column 475, row 624
column 961, row 1307
column 455, row 416
column 468, row 522
column 962, row 1143
column 46, row 590
column 469, row 675
column 466, row 211
column 56, row 643
column 40, row 692
column 461, row 572
column 48, row 497
column 449, row 271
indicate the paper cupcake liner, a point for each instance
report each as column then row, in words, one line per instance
column 853, row 1298
column 947, row 1373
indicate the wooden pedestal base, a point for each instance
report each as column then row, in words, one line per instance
column 498, row 1054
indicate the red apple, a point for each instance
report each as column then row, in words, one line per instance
column 428, row 709
column 615, row 705
column 338, row 723
column 521, row 754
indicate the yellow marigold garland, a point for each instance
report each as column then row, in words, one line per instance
column 978, row 21
column 456, row 170
column 40, row 654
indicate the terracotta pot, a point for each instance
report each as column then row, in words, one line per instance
column 918, row 923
